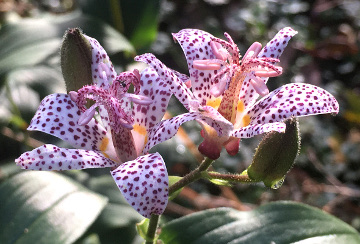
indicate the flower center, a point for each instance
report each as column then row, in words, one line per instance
column 115, row 100
column 232, row 73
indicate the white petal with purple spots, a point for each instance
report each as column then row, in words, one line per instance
column 103, row 71
column 175, row 85
column 49, row 157
column 253, row 130
column 196, row 46
column 158, row 91
column 58, row 115
column 295, row 99
column 147, row 116
column 144, row 183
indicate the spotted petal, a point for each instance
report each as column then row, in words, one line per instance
column 176, row 86
column 58, row 115
column 181, row 76
column 103, row 71
column 253, row 130
column 49, row 157
column 273, row 49
column 146, row 116
column 166, row 129
column 144, row 184
column 292, row 100
column 196, row 46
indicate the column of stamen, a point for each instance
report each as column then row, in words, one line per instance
column 117, row 115
column 123, row 81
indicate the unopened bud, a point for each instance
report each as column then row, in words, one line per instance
column 76, row 57
column 275, row 155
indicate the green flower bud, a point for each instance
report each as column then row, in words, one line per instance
column 275, row 155
column 76, row 57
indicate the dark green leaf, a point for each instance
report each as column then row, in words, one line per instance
column 142, row 228
column 143, row 31
column 45, row 207
column 33, row 41
column 117, row 213
column 24, row 90
column 280, row 222
column 137, row 20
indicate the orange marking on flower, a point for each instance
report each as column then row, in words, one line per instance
column 215, row 103
column 103, row 145
column 245, row 120
column 240, row 106
column 140, row 129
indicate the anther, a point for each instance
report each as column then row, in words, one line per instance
column 206, row 64
column 269, row 73
column 259, row 86
column 253, row 50
column 139, row 99
column 219, row 51
column 73, row 96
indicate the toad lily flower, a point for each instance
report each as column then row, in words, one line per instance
column 117, row 142
column 221, row 80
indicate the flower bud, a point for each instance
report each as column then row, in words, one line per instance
column 76, row 57
column 275, row 155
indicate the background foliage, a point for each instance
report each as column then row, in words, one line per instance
column 325, row 53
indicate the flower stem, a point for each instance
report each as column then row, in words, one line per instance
column 192, row 176
column 153, row 223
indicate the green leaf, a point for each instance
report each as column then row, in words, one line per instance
column 118, row 213
column 44, row 37
column 142, row 228
column 42, row 40
column 275, row 155
column 138, row 22
column 143, row 31
column 45, row 207
column 172, row 181
column 221, row 182
column 23, row 91
column 118, row 219
column 279, row 222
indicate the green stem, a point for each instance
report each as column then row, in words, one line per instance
column 192, row 176
column 230, row 177
column 153, row 223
